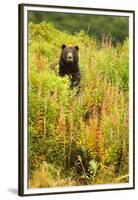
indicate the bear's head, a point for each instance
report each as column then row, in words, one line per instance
column 69, row 55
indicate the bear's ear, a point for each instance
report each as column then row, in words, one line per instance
column 77, row 48
column 63, row 46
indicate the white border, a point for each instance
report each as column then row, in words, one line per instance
column 88, row 187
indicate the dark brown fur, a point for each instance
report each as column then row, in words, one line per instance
column 70, row 68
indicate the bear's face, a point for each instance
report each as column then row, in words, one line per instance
column 69, row 54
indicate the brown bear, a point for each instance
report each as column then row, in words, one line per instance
column 68, row 64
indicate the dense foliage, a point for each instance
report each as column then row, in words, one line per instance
column 94, row 25
column 76, row 139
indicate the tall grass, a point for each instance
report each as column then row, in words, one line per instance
column 64, row 129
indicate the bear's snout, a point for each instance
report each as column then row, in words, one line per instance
column 70, row 57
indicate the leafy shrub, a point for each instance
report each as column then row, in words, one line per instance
column 62, row 125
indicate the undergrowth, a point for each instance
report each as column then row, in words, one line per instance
column 76, row 139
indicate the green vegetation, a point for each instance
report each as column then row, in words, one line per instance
column 76, row 139
column 115, row 27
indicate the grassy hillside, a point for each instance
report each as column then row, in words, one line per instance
column 76, row 140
